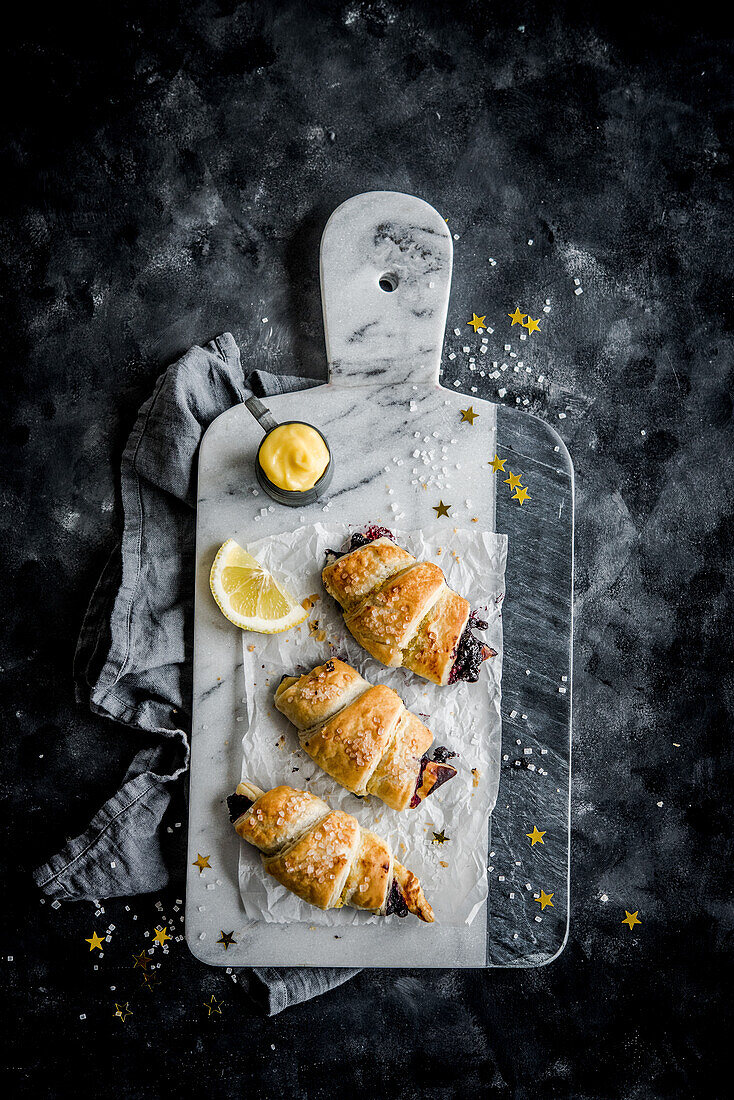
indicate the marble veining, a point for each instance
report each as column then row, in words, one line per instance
column 400, row 446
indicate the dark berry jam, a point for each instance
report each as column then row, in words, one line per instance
column 396, row 901
column 238, row 804
column 443, row 772
column 470, row 652
column 360, row 538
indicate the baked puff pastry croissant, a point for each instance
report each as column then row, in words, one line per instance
column 403, row 613
column 363, row 736
column 324, row 856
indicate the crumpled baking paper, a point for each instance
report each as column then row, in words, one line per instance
column 464, row 717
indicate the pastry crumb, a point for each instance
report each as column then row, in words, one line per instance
column 476, row 774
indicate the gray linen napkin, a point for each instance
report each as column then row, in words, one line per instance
column 133, row 659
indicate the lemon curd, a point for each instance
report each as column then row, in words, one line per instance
column 293, row 457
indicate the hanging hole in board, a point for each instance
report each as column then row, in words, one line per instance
column 388, row 283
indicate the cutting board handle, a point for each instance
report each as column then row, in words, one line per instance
column 385, row 281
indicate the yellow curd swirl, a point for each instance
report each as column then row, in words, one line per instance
column 294, row 456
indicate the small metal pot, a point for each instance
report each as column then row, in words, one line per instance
column 292, row 498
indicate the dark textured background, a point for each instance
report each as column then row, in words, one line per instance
column 167, row 174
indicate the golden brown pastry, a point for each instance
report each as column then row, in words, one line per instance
column 403, row 613
column 324, row 856
column 361, row 735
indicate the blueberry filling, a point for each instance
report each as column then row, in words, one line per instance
column 396, row 901
column 440, row 771
column 360, row 539
column 470, row 652
column 238, row 804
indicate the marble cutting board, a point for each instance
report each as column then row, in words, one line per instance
column 385, row 278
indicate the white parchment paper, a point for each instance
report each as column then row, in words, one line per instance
column 463, row 717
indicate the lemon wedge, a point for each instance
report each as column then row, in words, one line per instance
column 249, row 595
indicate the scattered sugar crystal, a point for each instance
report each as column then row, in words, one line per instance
column 562, row 690
column 523, row 336
column 543, row 752
column 457, row 383
column 527, row 752
column 577, row 282
column 578, row 291
column 546, row 309
column 83, row 1015
column 452, row 355
column 56, row 904
column 492, row 262
column 538, row 919
column 483, row 349
column 502, row 392
column 202, row 935
column 530, row 241
column 457, row 332
column 561, row 416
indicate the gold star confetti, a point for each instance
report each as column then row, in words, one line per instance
column 545, row 899
column 123, row 1011
column 141, row 961
column 535, row 837
column 517, row 317
column 469, row 414
column 441, row 509
column 95, row 941
column 227, row 939
column 498, row 463
column 214, row 1006
column 531, row 325
column 149, row 979
column 161, row 935
column 440, row 838
column 477, row 322
column 513, row 480
column 521, row 495
column 631, row 918
column 201, row 862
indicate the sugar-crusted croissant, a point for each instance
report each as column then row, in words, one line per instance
column 324, row 856
column 363, row 736
column 403, row 613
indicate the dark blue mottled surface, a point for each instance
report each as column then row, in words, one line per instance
column 168, row 170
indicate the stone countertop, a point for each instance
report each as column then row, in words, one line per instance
column 168, row 177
